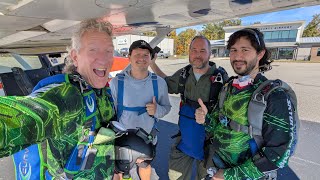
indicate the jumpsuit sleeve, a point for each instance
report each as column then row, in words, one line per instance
column 46, row 113
column 163, row 104
column 279, row 137
column 173, row 82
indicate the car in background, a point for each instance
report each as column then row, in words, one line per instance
column 163, row 54
column 124, row 52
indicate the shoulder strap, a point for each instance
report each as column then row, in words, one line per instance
column 155, row 86
column 183, row 79
column 120, row 94
column 218, row 79
column 223, row 92
column 256, row 108
column 258, row 104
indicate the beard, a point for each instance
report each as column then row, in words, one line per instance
column 245, row 69
column 198, row 63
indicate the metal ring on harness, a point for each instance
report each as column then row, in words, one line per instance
column 130, row 147
column 118, row 128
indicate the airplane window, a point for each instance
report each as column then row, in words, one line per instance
column 33, row 61
column 8, row 61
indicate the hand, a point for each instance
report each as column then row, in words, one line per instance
column 218, row 175
column 155, row 57
column 153, row 61
column 138, row 161
column 152, row 107
column 201, row 112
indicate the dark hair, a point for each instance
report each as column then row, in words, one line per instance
column 256, row 39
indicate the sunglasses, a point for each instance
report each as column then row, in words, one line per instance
column 254, row 33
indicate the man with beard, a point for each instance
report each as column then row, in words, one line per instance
column 239, row 150
column 200, row 79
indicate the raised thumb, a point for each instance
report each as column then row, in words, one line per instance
column 203, row 107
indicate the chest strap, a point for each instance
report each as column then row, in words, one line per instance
column 120, row 94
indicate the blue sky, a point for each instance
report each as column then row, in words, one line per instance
column 304, row 13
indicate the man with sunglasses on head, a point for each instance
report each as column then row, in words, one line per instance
column 254, row 128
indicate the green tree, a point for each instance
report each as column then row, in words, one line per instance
column 173, row 35
column 150, row 33
column 214, row 31
column 313, row 28
column 183, row 41
column 231, row 22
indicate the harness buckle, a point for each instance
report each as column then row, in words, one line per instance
column 211, row 171
column 270, row 175
column 82, row 83
column 183, row 73
column 259, row 97
column 211, row 140
column 219, row 78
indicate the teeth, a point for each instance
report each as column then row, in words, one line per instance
column 100, row 69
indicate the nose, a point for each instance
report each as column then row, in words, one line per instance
column 197, row 54
column 238, row 55
column 104, row 57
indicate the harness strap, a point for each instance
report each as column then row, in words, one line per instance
column 217, row 81
column 256, row 141
column 120, row 94
column 155, row 86
column 183, row 79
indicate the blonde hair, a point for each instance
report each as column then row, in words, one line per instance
column 85, row 26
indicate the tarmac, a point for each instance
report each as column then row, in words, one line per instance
column 304, row 79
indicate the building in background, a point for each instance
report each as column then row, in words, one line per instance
column 309, row 49
column 284, row 40
column 218, row 48
column 122, row 43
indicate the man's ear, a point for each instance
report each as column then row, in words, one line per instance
column 129, row 57
column 261, row 54
column 74, row 57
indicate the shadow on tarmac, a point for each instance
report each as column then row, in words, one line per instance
column 160, row 163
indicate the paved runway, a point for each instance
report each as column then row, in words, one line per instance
column 303, row 77
column 303, row 165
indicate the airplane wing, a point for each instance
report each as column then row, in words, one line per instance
column 39, row 25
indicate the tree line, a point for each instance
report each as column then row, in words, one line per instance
column 214, row 31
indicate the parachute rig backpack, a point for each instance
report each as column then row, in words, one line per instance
column 256, row 108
